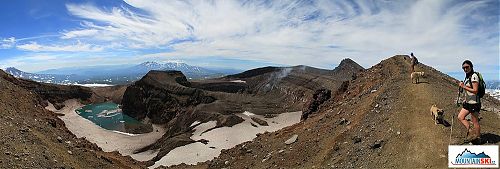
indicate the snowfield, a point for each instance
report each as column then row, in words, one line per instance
column 494, row 92
column 224, row 138
column 93, row 85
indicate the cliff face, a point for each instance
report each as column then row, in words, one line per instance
column 33, row 137
column 108, row 93
column 294, row 85
column 166, row 97
column 161, row 95
column 319, row 97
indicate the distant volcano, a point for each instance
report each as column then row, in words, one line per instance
column 113, row 75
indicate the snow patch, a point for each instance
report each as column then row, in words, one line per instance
column 223, row 138
column 109, row 113
column 238, row 81
column 108, row 140
column 203, row 127
column 128, row 134
column 93, row 85
column 247, row 113
column 195, row 123
column 494, row 93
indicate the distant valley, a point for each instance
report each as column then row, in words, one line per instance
column 115, row 75
column 493, row 85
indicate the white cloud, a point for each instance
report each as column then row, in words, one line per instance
column 78, row 47
column 120, row 23
column 296, row 31
column 7, row 43
column 9, row 40
column 318, row 33
column 79, row 33
column 30, row 62
column 40, row 58
column 50, row 60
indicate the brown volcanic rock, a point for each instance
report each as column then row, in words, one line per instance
column 221, row 86
column 380, row 121
column 347, row 69
column 166, row 97
column 109, row 93
column 254, row 72
column 160, row 96
column 260, row 121
column 292, row 85
column 33, row 137
column 56, row 94
column 319, row 97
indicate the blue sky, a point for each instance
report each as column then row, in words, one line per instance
column 37, row 35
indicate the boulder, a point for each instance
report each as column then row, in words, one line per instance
column 292, row 139
column 319, row 97
column 260, row 121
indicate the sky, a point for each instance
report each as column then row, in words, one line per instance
column 38, row 35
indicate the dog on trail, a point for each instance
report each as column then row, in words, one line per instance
column 415, row 76
column 437, row 114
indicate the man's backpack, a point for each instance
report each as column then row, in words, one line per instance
column 414, row 60
column 482, row 86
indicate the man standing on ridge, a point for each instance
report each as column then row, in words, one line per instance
column 414, row 61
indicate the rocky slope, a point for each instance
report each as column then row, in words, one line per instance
column 166, row 97
column 347, row 69
column 109, row 93
column 33, row 137
column 55, row 94
column 378, row 120
column 160, row 96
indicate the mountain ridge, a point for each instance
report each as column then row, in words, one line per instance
column 380, row 121
column 171, row 100
column 114, row 75
column 374, row 115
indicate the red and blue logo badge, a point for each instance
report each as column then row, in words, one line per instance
column 473, row 156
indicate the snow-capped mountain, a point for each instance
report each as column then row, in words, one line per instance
column 190, row 71
column 45, row 78
column 112, row 75
column 183, row 67
column 20, row 74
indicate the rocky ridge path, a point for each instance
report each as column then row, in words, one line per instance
column 382, row 120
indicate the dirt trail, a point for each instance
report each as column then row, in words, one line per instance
column 423, row 144
column 381, row 121
column 427, row 141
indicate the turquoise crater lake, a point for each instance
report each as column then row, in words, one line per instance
column 109, row 116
